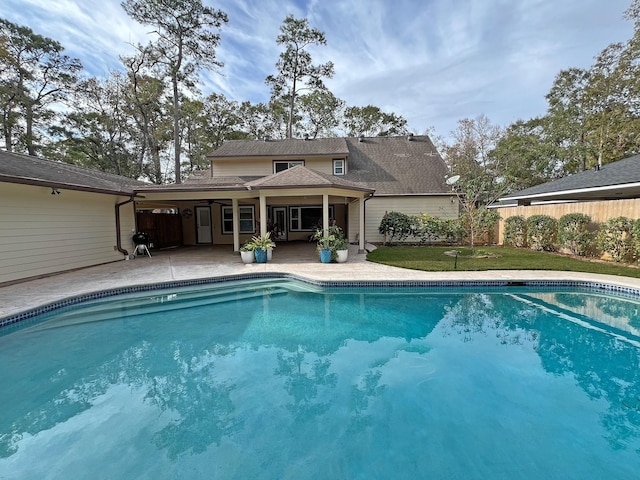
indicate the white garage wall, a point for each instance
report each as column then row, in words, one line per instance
column 376, row 207
column 42, row 233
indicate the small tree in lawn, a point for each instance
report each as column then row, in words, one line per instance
column 474, row 194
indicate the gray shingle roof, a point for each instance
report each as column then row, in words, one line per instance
column 620, row 173
column 281, row 148
column 395, row 165
column 300, row 176
column 19, row 168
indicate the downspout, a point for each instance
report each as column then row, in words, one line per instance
column 118, row 241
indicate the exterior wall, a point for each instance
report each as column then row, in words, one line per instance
column 598, row 211
column 375, row 208
column 264, row 166
column 43, row 233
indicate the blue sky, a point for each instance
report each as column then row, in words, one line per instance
column 432, row 61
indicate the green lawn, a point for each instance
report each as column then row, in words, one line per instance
column 433, row 259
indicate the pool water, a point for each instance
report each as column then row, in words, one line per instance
column 282, row 380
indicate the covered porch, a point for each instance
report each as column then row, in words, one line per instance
column 290, row 205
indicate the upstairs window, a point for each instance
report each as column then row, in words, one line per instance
column 338, row 166
column 279, row 166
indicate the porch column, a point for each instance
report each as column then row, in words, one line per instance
column 236, row 225
column 361, row 241
column 263, row 214
column 325, row 214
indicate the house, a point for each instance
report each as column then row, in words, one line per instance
column 55, row 217
column 604, row 192
column 288, row 187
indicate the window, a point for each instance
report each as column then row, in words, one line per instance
column 338, row 166
column 281, row 166
column 247, row 219
column 306, row 218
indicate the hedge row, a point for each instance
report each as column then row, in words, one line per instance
column 618, row 237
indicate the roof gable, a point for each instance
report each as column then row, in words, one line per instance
column 301, row 176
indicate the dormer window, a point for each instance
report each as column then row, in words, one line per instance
column 282, row 166
column 338, row 166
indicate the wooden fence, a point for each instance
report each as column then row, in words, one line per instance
column 599, row 211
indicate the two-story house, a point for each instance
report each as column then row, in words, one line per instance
column 293, row 187
column 57, row 216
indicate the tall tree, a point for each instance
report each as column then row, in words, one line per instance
column 147, row 109
column 34, row 74
column 321, row 111
column 370, row 121
column 524, row 157
column 186, row 41
column 296, row 71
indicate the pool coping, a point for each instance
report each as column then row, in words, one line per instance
column 16, row 319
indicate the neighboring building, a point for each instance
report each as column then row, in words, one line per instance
column 604, row 192
column 289, row 187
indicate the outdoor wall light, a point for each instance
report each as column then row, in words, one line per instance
column 55, row 191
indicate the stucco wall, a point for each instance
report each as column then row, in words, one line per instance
column 42, row 233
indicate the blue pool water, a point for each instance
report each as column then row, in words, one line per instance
column 282, row 380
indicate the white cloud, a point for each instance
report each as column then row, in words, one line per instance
column 434, row 61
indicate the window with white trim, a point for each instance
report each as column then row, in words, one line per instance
column 246, row 219
column 282, row 166
column 338, row 166
column 307, row 218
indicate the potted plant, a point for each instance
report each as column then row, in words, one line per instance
column 342, row 249
column 247, row 252
column 328, row 245
column 261, row 245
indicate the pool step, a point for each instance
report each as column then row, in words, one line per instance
column 114, row 308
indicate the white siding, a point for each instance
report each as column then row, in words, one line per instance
column 376, row 207
column 264, row 166
column 42, row 233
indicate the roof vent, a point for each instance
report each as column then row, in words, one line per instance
column 266, row 138
column 410, row 137
column 597, row 167
column 361, row 138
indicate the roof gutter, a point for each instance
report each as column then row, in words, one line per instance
column 118, row 230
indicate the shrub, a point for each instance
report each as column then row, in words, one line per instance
column 541, row 232
column 614, row 238
column 431, row 229
column 573, row 234
column 515, row 231
column 397, row 226
column 635, row 238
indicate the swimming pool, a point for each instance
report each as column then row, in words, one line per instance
column 281, row 379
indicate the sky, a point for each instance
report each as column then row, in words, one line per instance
column 434, row 62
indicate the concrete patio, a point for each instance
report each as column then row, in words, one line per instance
column 299, row 259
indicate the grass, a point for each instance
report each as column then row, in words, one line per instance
column 433, row 259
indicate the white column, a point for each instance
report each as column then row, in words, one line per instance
column 325, row 214
column 236, row 225
column 361, row 218
column 263, row 214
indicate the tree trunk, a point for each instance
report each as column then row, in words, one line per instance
column 176, row 127
column 29, row 130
